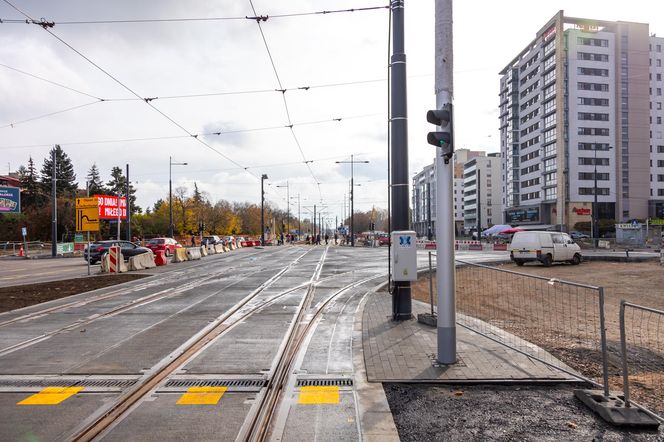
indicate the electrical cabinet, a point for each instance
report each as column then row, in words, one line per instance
column 404, row 255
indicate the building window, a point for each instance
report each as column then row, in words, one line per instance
column 599, row 87
column 549, row 47
column 530, row 156
column 550, row 121
column 550, row 135
column 602, row 42
column 593, row 146
column 592, row 56
column 592, row 71
column 530, row 169
column 660, row 149
column 591, row 191
column 549, row 149
column 593, row 116
column 660, row 192
column 549, row 62
column 585, row 176
column 550, row 179
column 593, row 101
column 550, row 165
column 591, row 161
column 551, row 193
column 599, row 131
column 549, row 91
column 660, row 163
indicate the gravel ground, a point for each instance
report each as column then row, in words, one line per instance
column 499, row 413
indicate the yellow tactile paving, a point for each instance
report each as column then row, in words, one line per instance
column 202, row 396
column 319, row 395
column 50, row 396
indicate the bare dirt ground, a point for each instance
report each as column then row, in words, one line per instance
column 499, row 413
column 24, row 295
column 563, row 319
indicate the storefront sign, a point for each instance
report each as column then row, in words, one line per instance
column 529, row 215
column 581, row 211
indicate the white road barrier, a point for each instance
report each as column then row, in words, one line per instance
column 142, row 261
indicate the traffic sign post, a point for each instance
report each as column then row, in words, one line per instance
column 24, row 233
column 87, row 219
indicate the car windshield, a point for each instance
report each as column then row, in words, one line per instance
column 156, row 241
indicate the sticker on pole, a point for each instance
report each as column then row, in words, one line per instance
column 405, row 241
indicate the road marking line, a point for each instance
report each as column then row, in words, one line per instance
column 50, row 396
column 202, row 396
column 319, row 395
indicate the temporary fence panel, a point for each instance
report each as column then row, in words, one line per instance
column 642, row 350
column 558, row 322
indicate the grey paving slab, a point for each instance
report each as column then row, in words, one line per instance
column 405, row 351
column 45, row 422
column 323, row 422
column 159, row 419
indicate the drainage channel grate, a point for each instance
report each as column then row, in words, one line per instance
column 186, row 383
column 324, row 382
column 94, row 384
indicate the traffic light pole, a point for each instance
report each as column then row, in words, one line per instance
column 401, row 301
column 445, row 271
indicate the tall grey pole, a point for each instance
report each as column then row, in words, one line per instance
column 54, row 217
column 170, row 198
column 299, row 218
column 446, row 333
column 287, row 209
column 401, row 302
column 87, row 193
column 263, row 178
column 128, row 208
column 314, row 231
column 119, row 210
column 594, row 229
column 352, row 204
column 478, row 206
column 429, row 232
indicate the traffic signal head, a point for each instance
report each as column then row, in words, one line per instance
column 444, row 138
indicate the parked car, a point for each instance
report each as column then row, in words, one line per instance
column 98, row 248
column 211, row 240
column 384, row 239
column 168, row 245
column 545, row 247
column 578, row 235
column 228, row 240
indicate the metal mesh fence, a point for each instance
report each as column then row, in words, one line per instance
column 558, row 322
column 642, row 344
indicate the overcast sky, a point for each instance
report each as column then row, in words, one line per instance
column 203, row 57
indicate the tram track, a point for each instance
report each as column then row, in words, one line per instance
column 106, row 417
column 121, row 290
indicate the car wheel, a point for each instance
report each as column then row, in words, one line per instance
column 576, row 260
column 168, row 252
column 547, row 260
column 519, row 262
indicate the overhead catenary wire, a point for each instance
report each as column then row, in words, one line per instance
column 49, row 24
column 50, row 114
column 204, row 134
column 283, row 95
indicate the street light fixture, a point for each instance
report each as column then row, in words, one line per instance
column 263, row 178
column 352, row 193
column 170, row 195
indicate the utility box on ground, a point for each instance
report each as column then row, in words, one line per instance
column 404, row 255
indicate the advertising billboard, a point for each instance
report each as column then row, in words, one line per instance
column 10, row 199
column 108, row 206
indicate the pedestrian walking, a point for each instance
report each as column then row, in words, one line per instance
column 336, row 238
column 193, row 240
column 318, row 239
column 327, row 238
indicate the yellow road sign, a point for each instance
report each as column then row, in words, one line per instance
column 87, row 215
column 82, row 203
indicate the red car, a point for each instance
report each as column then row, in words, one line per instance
column 168, row 245
column 384, row 240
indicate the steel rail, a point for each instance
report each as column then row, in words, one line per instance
column 108, row 415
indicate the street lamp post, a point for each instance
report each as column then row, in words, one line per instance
column 170, row 195
column 287, row 186
column 352, row 193
column 299, row 218
column 263, row 178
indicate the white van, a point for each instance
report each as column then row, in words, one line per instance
column 545, row 247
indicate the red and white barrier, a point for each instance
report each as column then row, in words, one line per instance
column 114, row 254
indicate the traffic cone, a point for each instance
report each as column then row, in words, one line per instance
column 21, row 252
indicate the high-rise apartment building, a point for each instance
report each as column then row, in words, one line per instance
column 581, row 117
column 424, row 195
column 482, row 194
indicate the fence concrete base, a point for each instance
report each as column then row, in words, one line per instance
column 142, row 261
column 211, row 250
column 194, row 253
column 180, row 255
column 219, row 248
column 204, row 251
column 613, row 410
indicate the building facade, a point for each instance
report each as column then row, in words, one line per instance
column 482, row 196
column 579, row 120
column 424, row 195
